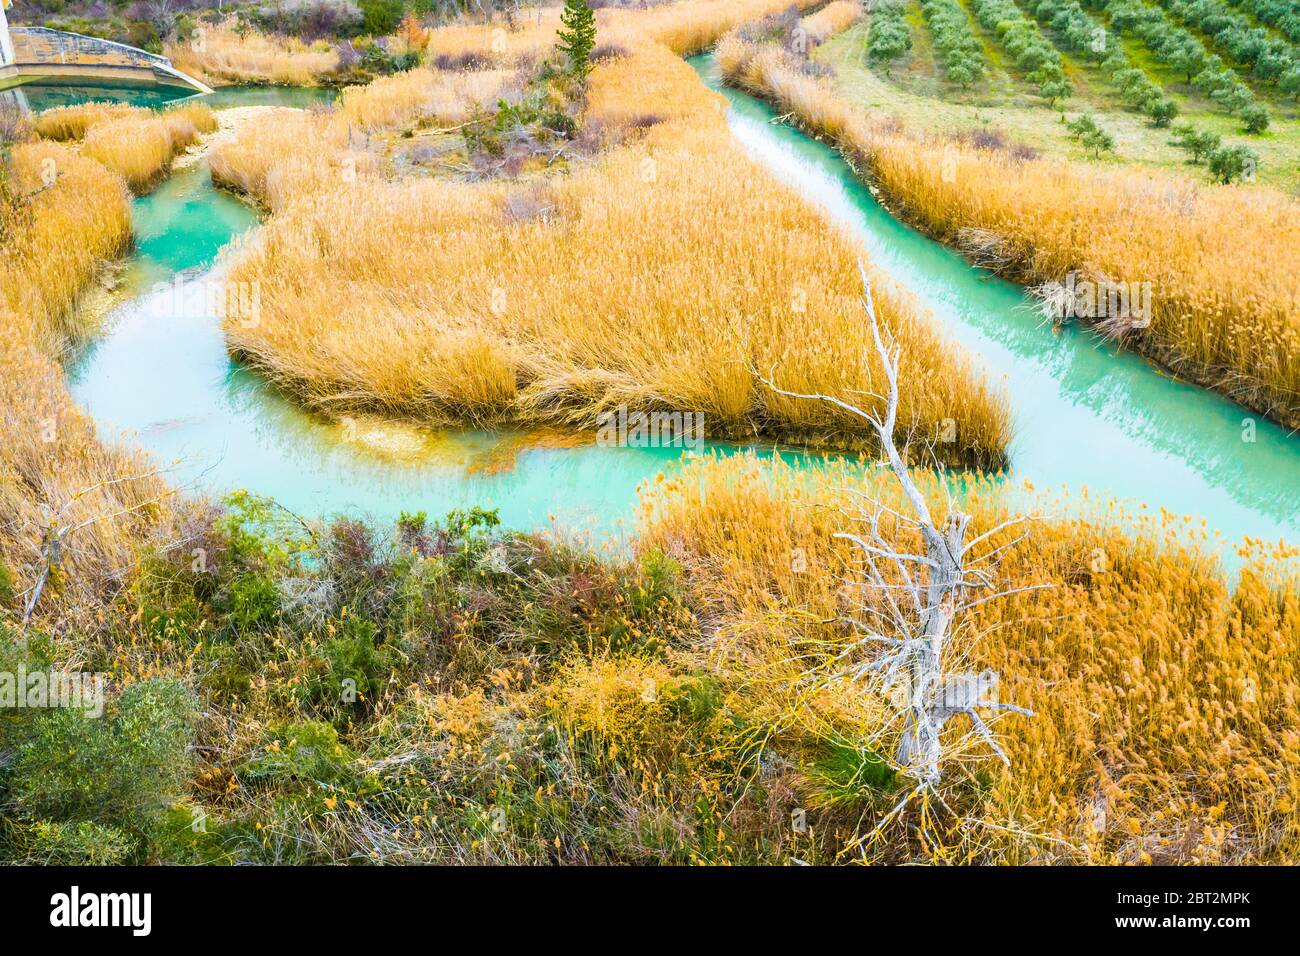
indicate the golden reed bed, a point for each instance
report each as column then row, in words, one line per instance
column 658, row 279
column 1165, row 727
column 136, row 143
column 53, row 469
column 218, row 55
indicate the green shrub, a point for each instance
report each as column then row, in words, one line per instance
column 122, row 769
column 1255, row 118
column 33, row 654
column 49, row 843
column 254, row 603
column 889, row 36
column 1095, row 139
column 301, row 752
column 1199, row 143
column 8, row 594
column 1031, row 52
column 577, row 36
column 352, row 667
column 380, row 17
column 188, row 835
column 963, row 58
column 1162, row 112
column 1233, row 164
column 847, row 776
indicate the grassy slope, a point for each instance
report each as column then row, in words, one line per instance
column 918, row 94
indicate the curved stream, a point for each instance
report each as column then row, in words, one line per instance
column 162, row 375
column 1084, row 415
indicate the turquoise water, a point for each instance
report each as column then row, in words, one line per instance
column 41, row 96
column 1085, row 416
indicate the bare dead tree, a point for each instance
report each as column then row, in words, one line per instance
column 908, row 603
column 59, row 528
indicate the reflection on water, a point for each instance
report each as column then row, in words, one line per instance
column 43, row 96
column 1085, row 414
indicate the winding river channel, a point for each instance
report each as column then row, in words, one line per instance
column 1086, row 416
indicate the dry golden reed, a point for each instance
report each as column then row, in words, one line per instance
column 1222, row 263
column 602, row 302
column 685, row 28
column 1166, row 726
column 223, row 56
column 72, row 122
column 137, row 144
column 286, row 154
column 51, row 463
column 835, row 17
column 141, row 148
column 79, row 216
column 423, row 96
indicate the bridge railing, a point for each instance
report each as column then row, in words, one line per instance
column 35, row 45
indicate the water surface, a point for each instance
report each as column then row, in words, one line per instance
column 44, row 96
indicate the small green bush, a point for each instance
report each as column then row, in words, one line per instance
column 254, row 603
column 1199, row 143
column 49, row 843
column 847, row 776
column 302, row 752
column 7, row 591
column 1255, row 118
column 577, row 36
column 1095, row 139
column 380, row 17
column 1233, row 164
column 122, row 769
column 352, row 667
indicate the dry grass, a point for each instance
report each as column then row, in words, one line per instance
column 1166, row 726
column 689, row 28
column 286, row 154
column 835, row 17
column 50, row 460
column 683, row 27
column 72, row 122
column 423, row 96
column 138, row 144
column 554, row 319
column 225, row 57
column 140, row 148
column 79, row 217
column 1222, row 262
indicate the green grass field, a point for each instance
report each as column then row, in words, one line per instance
column 915, row 89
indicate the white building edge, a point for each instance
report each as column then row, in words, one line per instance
column 6, row 41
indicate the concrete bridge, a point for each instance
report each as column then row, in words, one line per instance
column 38, row 55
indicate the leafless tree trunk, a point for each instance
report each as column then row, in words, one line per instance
column 910, row 601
